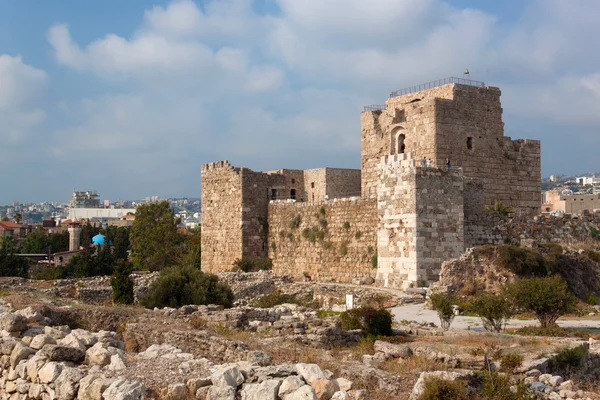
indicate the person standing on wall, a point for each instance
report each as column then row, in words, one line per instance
column 447, row 163
column 424, row 162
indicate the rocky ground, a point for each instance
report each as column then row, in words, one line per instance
column 56, row 345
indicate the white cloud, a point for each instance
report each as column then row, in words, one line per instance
column 21, row 87
column 201, row 83
column 20, row 83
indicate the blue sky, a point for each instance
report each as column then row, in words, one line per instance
column 131, row 97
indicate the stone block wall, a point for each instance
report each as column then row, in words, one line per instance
column 470, row 132
column 221, row 216
column 462, row 123
column 255, row 200
column 333, row 240
column 421, row 217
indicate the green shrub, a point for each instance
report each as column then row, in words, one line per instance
column 593, row 255
column 497, row 386
column 122, row 285
column 358, row 235
column 253, row 264
column 182, row 285
column 344, row 248
column 346, row 225
column 441, row 389
column 595, row 234
column 511, row 362
column 442, row 303
column 548, row 298
column 323, row 223
column 499, row 208
column 569, row 358
column 374, row 261
column 494, row 309
column 591, row 300
column 371, row 320
column 521, row 261
column 295, row 222
column 322, row 210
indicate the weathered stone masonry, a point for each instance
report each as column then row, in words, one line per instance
column 411, row 218
column 332, row 240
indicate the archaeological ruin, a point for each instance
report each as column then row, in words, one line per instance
column 395, row 220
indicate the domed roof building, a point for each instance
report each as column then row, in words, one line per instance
column 98, row 240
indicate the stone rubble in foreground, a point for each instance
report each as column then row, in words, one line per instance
column 56, row 362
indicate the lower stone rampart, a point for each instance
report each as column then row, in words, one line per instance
column 332, row 241
column 565, row 229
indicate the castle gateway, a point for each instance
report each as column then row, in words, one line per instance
column 394, row 220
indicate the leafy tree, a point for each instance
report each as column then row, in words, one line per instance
column 122, row 285
column 548, row 298
column 92, row 261
column 5, row 219
column 38, row 242
column 442, row 303
column 10, row 263
column 155, row 243
column 119, row 237
column 499, row 209
column 88, row 231
column 182, row 285
column 18, row 218
column 494, row 309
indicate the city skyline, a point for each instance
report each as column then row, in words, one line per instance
column 133, row 102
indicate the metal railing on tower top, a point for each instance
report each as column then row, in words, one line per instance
column 374, row 107
column 432, row 84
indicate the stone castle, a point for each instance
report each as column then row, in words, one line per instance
column 393, row 220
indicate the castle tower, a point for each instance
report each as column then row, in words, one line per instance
column 420, row 220
column 74, row 236
column 460, row 120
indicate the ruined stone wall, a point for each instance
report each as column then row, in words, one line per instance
column 221, row 216
column 421, row 217
column 334, row 240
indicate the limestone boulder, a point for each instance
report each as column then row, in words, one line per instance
column 344, row 384
column 50, row 372
column 177, row 391
column 227, row 376
column 324, row 388
column 41, row 340
column 266, row 390
column 310, row 372
column 443, row 375
column 97, row 355
column 117, row 363
column 194, row 384
column 30, row 314
column 57, row 334
column 88, row 339
column 392, row 350
column 290, row 385
column 34, row 364
column 220, row 393
column 71, row 341
column 56, row 352
column 92, row 386
column 12, row 322
column 35, row 391
column 67, row 383
column 20, row 352
column 305, row 392
column 7, row 344
column 341, row 395
column 122, row 389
